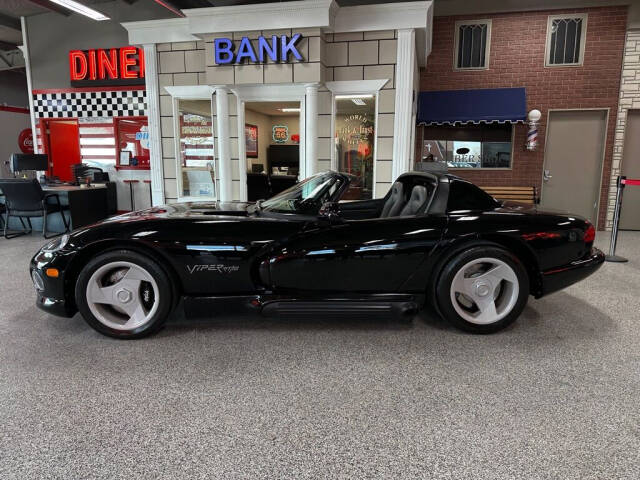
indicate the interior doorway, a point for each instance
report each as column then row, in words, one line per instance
column 630, row 214
column 272, row 146
column 62, row 145
column 574, row 153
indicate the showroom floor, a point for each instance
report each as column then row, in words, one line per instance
column 555, row 396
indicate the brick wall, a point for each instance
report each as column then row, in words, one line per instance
column 517, row 60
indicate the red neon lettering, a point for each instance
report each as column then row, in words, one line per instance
column 141, row 60
column 108, row 64
column 126, row 61
column 92, row 64
column 77, row 65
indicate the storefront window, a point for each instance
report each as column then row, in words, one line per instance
column 196, row 153
column 133, row 143
column 355, row 124
column 470, row 146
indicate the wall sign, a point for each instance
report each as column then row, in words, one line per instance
column 275, row 48
column 280, row 133
column 25, row 141
column 106, row 67
column 251, row 140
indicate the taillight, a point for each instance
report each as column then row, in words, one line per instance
column 589, row 234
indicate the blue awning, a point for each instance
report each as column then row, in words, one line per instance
column 475, row 106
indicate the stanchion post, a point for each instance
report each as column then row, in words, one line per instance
column 612, row 257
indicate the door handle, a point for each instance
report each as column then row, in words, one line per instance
column 547, row 176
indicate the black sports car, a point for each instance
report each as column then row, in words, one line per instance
column 433, row 240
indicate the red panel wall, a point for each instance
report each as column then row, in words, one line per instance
column 517, row 60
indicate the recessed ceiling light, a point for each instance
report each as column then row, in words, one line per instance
column 289, row 110
column 81, row 9
column 351, row 97
column 358, row 101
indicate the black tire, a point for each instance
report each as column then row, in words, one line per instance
column 453, row 266
column 165, row 294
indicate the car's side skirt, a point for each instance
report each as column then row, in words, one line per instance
column 272, row 305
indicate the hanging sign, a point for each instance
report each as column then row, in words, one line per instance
column 274, row 48
column 106, row 67
column 280, row 133
column 142, row 136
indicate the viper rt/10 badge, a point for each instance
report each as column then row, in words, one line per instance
column 219, row 268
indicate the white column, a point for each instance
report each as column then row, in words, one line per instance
column 402, row 122
column 27, row 64
column 242, row 152
column 311, row 133
column 153, row 116
column 224, row 149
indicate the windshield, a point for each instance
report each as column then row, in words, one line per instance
column 306, row 196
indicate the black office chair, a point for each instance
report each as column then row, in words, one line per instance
column 2, row 210
column 26, row 199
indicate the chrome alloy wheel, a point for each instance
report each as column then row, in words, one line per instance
column 122, row 295
column 484, row 291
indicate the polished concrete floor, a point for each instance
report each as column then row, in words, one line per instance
column 557, row 396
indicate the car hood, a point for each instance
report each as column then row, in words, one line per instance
column 189, row 210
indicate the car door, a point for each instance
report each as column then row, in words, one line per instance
column 374, row 255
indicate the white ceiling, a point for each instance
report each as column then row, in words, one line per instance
column 272, row 108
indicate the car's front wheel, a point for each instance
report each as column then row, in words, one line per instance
column 124, row 294
column 483, row 289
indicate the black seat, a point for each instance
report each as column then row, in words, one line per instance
column 393, row 206
column 26, row 199
column 417, row 202
column 2, row 210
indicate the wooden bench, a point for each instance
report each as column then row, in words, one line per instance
column 516, row 194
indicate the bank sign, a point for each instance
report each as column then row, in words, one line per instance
column 275, row 48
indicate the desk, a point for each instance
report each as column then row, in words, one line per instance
column 86, row 206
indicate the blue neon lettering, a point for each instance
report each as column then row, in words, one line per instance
column 245, row 50
column 271, row 50
column 274, row 49
column 290, row 47
column 223, row 50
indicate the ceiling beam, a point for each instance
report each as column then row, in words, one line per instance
column 11, row 60
column 7, row 45
column 11, row 22
column 170, row 6
column 51, row 6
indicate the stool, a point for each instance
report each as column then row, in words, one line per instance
column 150, row 193
column 131, row 182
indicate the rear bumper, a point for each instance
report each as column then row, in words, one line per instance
column 558, row 278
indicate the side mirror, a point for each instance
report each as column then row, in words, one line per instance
column 330, row 211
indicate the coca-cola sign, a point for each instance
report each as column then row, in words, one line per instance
column 25, row 141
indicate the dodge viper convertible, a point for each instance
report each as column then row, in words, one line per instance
column 434, row 241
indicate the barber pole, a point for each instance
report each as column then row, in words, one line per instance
column 532, row 134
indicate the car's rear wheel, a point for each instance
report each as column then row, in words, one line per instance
column 483, row 289
column 124, row 294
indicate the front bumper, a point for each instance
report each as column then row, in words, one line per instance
column 51, row 297
column 561, row 277
column 54, row 306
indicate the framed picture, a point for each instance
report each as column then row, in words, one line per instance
column 251, row 140
column 125, row 158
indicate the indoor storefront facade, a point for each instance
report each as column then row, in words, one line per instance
column 244, row 100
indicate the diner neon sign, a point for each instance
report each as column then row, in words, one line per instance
column 111, row 66
column 275, row 48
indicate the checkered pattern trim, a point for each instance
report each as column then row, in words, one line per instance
column 120, row 103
